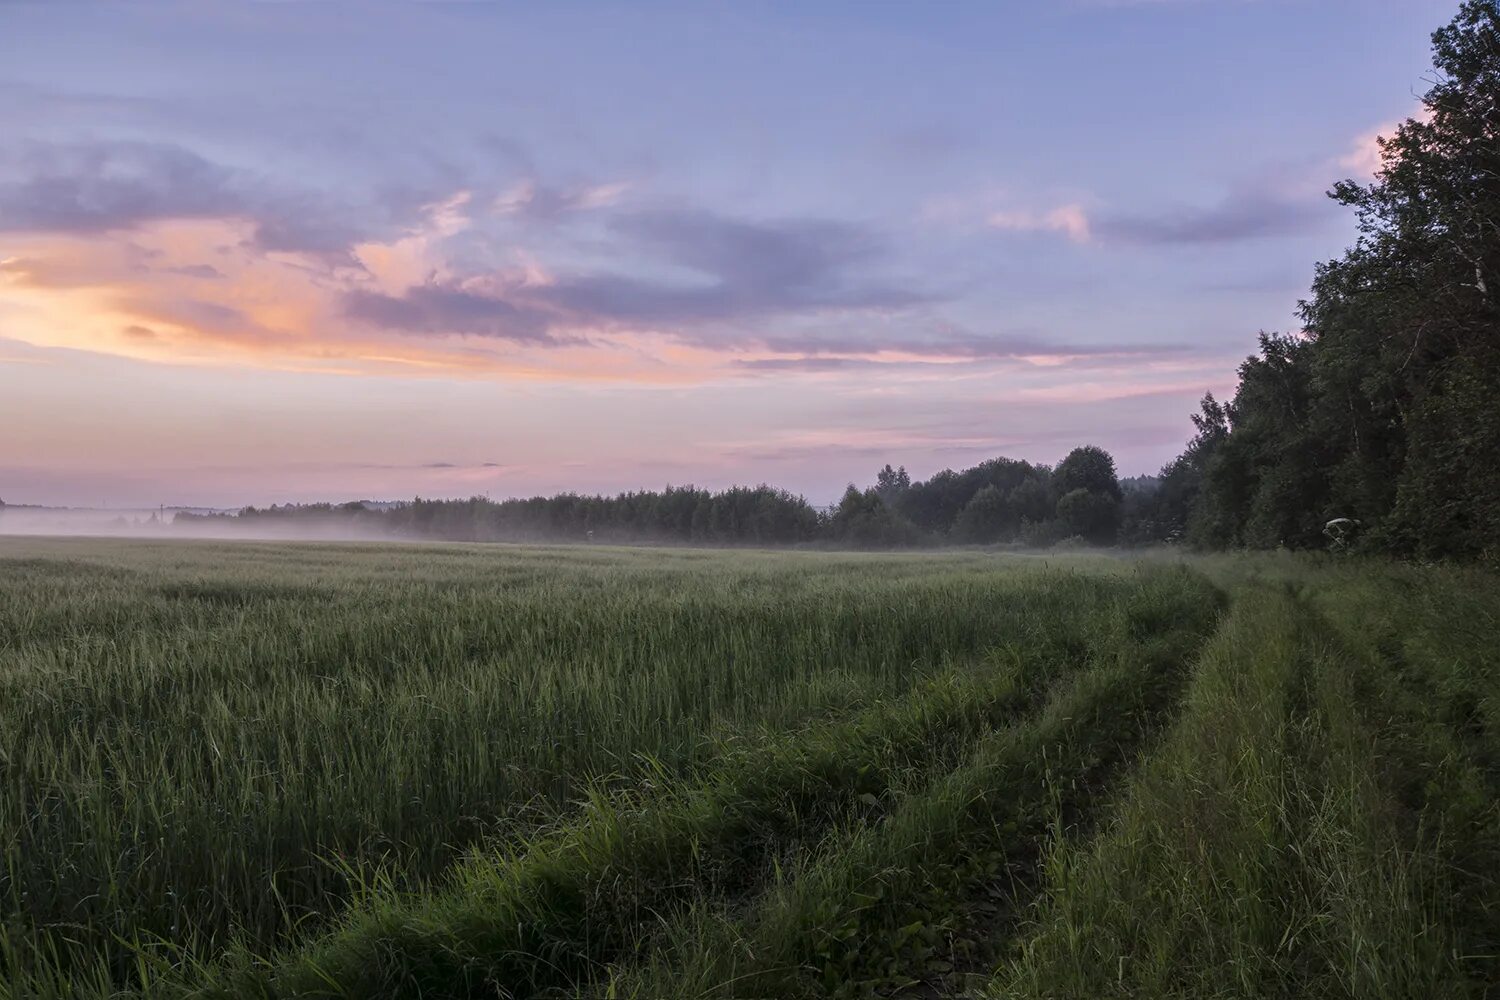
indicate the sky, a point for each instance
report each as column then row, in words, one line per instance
column 296, row 252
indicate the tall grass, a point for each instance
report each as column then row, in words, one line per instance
column 1276, row 846
column 546, row 917
column 894, row 904
column 269, row 770
column 210, row 743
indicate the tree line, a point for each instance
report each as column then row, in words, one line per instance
column 1380, row 418
column 998, row 501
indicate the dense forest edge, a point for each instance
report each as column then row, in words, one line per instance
column 1375, row 427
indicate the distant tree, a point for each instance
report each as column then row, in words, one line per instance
column 934, row 506
column 988, row 517
column 1140, row 485
column 1160, row 513
column 1089, row 495
column 1087, row 468
column 863, row 520
column 1267, row 482
column 890, row 484
column 1033, row 500
column 1089, row 514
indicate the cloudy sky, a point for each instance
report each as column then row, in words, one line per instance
column 311, row 251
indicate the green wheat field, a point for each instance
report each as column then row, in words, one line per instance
column 276, row 770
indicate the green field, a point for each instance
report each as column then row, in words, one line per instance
column 272, row 770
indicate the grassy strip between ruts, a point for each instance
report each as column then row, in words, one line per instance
column 887, row 906
column 548, row 916
column 541, row 915
column 1427, row 689
column 1269, row 849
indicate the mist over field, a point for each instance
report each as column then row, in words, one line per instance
column 162, row 523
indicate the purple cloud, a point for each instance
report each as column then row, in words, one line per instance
column 437, row 308
column 740, row 271
column 88, row 188
column 749, row 270
column 1244, row 215
column 956, row 345
column 205, row 271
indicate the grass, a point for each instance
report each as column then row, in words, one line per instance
column 447, row 771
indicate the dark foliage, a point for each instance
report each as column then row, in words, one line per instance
column 1384, row 410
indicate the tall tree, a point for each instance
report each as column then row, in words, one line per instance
column 988, row 517
column 891, row 483
column 1385, row 409
column 1088, row 468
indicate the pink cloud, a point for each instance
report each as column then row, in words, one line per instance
column 1365, row 156
column 1069, row 220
